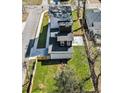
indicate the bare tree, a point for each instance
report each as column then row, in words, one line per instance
column 78, row 9
column 68, row 82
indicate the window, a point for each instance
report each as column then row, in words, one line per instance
column 68, row 43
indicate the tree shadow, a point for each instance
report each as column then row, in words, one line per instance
column 75, row 20
column 77, row 29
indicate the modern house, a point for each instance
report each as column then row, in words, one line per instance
column 61, row 37
column 93, row 22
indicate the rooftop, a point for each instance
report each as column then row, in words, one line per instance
column 59, row 11
column 54, row 46
column 65, row 37
column 63, row 32
column 54, row 29
column 65, row 23
column 93, row 19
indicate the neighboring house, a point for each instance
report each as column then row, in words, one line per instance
column 61, row 37
column 93, row 22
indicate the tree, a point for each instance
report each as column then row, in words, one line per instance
column 91, row 56
column 84, row 8
column 67, row 81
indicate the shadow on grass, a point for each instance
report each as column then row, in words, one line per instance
column 42, row 37
column 77, row 29
column 54, row 62
column 75, row 20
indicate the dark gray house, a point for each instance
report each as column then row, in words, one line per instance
column 93, row 22
column 61, row 37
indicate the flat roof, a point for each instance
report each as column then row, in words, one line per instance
column 67, row 37
column 54, row 29
column 60, row 11
column 54, row 46
column 93, row 18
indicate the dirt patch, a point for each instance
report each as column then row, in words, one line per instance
column 61, row 67
column 24, row 16
column 42, row 86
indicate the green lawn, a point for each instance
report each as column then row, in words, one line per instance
column 33, row 2
column 76, row 24
column 98, row 65
column 44, row 75
column 43, row 32
column 30, row 66
column 80, row 64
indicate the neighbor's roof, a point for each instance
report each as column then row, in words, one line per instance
column 60, row 11
column 93, row 19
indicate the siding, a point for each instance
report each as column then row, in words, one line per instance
column 61, row 56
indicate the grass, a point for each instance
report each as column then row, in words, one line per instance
column 49, row 1
column 98, row 65
column 80, row 64
column 76, row 24
column 33, row 2
column 43, row 32
column 45, row 73
column 25, row 87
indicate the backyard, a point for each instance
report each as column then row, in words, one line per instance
column 44, row 75
column 43, row 31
